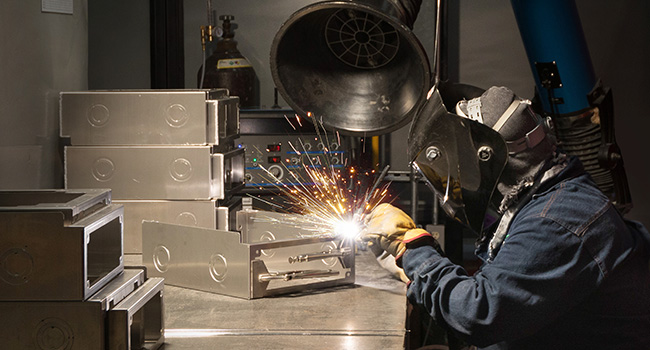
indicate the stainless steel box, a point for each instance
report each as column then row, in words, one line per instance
column 118, row 288
column 211, row 214
column 218, row 261
column 149, row 117
column 262, row 226
column 138, row 321
column 73, row 204
column 44, row 258
column 97, row 323
column 155, row 172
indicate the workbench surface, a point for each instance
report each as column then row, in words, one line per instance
column 369, row 314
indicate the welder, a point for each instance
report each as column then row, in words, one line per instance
column 562, row 269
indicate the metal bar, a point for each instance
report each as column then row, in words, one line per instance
column 321, row 255
column 296, row 275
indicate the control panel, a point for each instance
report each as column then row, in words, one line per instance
column 270, row 158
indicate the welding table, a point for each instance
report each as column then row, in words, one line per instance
column 367, row 315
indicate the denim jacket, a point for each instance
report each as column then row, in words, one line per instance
column 571, row 274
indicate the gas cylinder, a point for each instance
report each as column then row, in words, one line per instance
column 228, row 68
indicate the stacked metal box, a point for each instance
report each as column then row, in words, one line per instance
column 167, row 155
column 273, row 254
column 63, row 284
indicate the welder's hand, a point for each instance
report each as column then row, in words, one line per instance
column 391, row 229
column 385, row 227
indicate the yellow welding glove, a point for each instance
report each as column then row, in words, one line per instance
column 391, row 229
column 386, row 226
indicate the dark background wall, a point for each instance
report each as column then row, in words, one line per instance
column 41, row 53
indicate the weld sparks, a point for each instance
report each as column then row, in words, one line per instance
column 333, row 200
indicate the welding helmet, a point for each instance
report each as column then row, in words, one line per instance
column 462, row 155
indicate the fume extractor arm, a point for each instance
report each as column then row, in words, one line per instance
column 568, row 91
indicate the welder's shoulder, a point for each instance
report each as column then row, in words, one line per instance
column 575, row 204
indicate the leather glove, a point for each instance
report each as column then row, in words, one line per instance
column 391, row 229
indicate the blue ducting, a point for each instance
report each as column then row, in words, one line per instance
column 552, row 32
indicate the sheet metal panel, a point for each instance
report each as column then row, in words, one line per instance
column 41, row 325
column 203, row 213
column 138, row 321
column 69, row 325
column 154, row 172
column 262, row 226
column 197, row 258
column 73, row 204
column 217, row 261
column 42, row 258
column 148, row 117
column 119, row 288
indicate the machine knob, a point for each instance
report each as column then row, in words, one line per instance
column 276, row 171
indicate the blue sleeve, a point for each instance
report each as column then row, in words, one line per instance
column 541, row 270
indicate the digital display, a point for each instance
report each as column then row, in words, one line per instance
column 273, row 148
column 275, row 159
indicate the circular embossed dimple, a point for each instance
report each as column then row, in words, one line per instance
column 103, row 169
column 177, row 115
column 180, row 169
column 327, row 247
column 98, row 115
column 54, row 334
column 16, row 265
column 267, row 237
column 218, row 267
column 161, row 258
column 186, row 219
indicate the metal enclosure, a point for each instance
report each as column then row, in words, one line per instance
column 200, row 213
column 97, row 323
column 149, row 117
column 118, row 288
column 137, row 322
column 73, row 204
column 63, row 284
column 167, row 155
column 58, row 251
column 220, row 262
column 155, row 172
column 263, row 226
